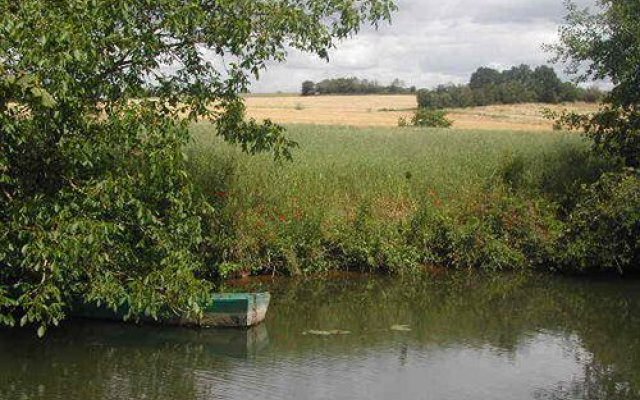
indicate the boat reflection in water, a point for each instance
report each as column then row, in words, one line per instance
column 85, row 359
column 237, row 343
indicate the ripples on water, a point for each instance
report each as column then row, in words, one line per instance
column 471, row 338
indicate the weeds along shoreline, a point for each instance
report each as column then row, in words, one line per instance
column 394, row 200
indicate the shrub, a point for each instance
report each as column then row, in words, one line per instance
column 402, row 121
column 434, row 199
column 614, row 131
column 593, row 95
column 431, row 118
column 367, row 243
column 556, row 175
column 603, row 232
column 495, row 231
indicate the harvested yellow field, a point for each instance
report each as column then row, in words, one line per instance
column 384, row 110
column 332, row 110
column 527, row 116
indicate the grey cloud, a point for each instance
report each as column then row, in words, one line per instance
column 486, row 11
column 432, row 42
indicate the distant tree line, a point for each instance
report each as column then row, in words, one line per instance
column 353, row 85
column 520, row 84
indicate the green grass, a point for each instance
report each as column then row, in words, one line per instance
column 348, row 186
column 338, row 167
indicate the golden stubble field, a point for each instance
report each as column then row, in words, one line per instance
column 384, row 110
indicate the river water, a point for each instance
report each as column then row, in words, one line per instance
column 358, row 337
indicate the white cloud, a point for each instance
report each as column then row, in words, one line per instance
column 432, row 42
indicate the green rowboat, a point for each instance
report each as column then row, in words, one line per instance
column 238, row 310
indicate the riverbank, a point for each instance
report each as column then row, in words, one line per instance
column 393, row 200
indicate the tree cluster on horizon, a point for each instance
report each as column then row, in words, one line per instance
column 353, row 85
column 519, row 84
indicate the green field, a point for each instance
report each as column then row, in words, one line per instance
column 337, row 168
column 388, row 198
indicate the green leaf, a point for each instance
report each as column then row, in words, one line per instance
column 89, row 136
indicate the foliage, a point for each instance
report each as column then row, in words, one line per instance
column 431, row 118
column 602, row 45
column 484, row 77
column 519, row 84
column 604, row 228
column 614, row 132
column 353, row 85
column 308, row 88
column 446, row 97
column 557, row 175
column 97, row 204
column 394, row 200
column 495, row 231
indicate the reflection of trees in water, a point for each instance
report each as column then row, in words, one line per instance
column 598, row 383
column 438, row 312
column 498, row 314
column 99, row 373
column 112, row 361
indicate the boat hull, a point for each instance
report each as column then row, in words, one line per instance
column 236, row 310
column 233, row 310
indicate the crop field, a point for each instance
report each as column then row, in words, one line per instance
column 343, row 177
column 337, row 168
column 340, row 166
column 384, row 111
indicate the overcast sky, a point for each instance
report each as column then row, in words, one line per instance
column 431, row 42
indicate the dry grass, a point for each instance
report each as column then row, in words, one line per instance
column 385, row 111
column 527, row 116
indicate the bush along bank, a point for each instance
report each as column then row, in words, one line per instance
column 499, row 230
column 524, row 217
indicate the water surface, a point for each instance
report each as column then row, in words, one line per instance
column 465, row 337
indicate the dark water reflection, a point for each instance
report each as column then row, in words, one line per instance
column 471, row 338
